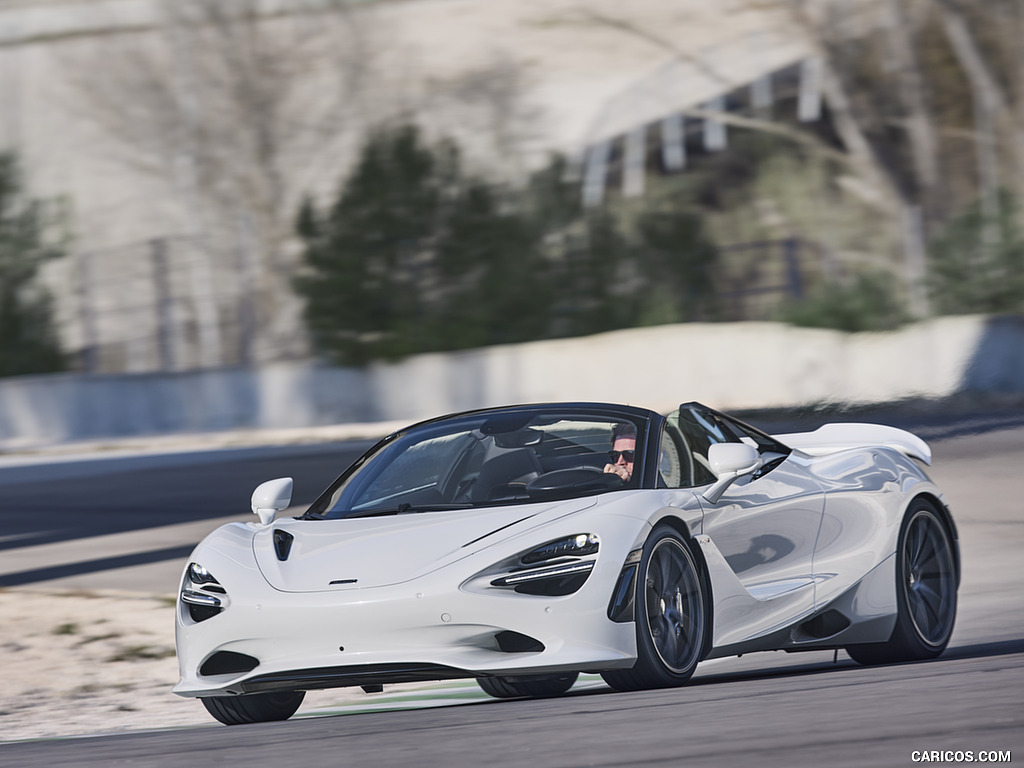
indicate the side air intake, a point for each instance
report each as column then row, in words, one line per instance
column 826, row 625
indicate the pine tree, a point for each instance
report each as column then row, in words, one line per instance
column 419, row 255
column 28, row 339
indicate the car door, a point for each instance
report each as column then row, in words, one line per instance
column 762, row 530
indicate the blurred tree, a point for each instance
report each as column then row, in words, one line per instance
column 675, row 252
column 970, row 274
column 495, row 280
column 866, row 302
column 28, row 339
column 417, row 254
column 370, row 256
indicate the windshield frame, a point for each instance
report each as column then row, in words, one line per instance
column 643, row 420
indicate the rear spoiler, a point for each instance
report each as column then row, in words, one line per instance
column 832, row 438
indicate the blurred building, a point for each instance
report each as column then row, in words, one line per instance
column 181, row 200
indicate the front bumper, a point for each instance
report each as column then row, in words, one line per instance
column 442, row 625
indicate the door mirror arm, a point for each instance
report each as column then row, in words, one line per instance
column 729, row 462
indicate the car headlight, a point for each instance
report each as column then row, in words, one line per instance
column 572, row 546
column 556, row 568
column 202, row 593
column 197, row 574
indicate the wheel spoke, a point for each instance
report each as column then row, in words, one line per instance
column 931, row 607
column 669, row 640
column 669, row 570
column 914, row 544
column 929, row 595
column 655, row 576
column 928, row 553
column 920, row 612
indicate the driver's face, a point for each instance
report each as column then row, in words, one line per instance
column 619, row 448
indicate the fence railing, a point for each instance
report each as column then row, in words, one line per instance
column 138, row 308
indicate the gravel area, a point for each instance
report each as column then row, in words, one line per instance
column 77, row 663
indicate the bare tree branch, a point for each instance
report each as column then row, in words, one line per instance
column 235, row 105
column 919, row 122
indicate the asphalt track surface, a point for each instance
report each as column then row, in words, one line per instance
column 770, row 709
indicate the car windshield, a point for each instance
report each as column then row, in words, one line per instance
column 484, row 459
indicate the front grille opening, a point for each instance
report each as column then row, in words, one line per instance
column 228, row 663
column 517, row 642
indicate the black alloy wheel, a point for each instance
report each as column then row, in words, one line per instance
column 926, row 584
column 671, row 616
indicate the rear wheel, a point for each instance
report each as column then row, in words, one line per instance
column 254, row 707
column 537, row 688
column 925, row 592
column 671, row 616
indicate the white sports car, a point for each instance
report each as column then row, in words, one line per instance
column 521, row 546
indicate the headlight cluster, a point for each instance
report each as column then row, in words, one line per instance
column 574, row 546
column 202, row 593
column 559, row 567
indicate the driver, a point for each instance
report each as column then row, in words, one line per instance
column 622, row 452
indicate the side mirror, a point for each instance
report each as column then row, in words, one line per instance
column 730, row 461
column 271, row 497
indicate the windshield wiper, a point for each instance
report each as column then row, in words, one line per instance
column 404, row 509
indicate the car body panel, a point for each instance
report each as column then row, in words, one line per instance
column 373, row 552
column 798, row 553
column 766, row 530
column 867, row 492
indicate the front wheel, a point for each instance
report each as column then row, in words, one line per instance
column 536, row 688
column 926, row 584
column 671, row 616
column 254, row 707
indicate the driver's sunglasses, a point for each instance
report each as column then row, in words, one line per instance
column 627, row 455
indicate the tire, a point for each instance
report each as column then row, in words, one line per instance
column 671, row 615
column 536, row 688
column 926, row 583
column 254, row 707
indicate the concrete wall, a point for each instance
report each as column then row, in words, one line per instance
column 729, row 366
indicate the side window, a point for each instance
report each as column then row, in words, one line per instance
column 697, row 432
column 702, row 427
column 670, row 470
column 682, row 459
column 773, row 453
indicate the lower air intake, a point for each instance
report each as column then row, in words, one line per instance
column 516, row 642
column 228, row 663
